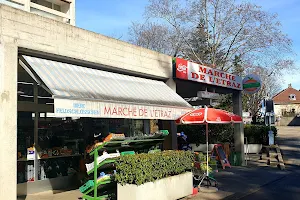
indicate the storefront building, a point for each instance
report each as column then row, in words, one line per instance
column 62, row 85
column 62, row 107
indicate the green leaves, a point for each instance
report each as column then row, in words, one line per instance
column 142, row 168
column 256, row 134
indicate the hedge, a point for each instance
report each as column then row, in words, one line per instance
column 258, row 134
column 221, row 133
column 142, row 168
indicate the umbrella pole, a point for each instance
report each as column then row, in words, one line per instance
column 206, row 149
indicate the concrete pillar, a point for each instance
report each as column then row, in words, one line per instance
column 171, row 139
column 72, row 13
column 172, row 84
column 8, row 120
column 238, row 128
column 27, row 5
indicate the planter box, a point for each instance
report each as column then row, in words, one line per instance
column 171, row 188
column 251, row 148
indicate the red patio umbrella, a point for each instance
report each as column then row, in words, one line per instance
column 208, row 116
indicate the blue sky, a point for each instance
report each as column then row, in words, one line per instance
column 113, row 17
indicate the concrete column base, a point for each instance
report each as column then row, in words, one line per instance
column 238, row 128
column 8, row 120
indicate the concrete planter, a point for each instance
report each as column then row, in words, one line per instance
column 251, row 148
column 171, row 188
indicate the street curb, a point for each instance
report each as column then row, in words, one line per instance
column 292, row 162
column 240, row 195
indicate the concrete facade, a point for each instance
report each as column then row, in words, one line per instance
column 238, row 128
column 8, row 119
column 22, row 31
column 38, row 33
column 170, row 188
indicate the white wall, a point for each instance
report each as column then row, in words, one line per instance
column 288, row 107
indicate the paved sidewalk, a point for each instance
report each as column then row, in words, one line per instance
column 54, row 195
column 289, row 143
column 233, row 183
column 237, row 182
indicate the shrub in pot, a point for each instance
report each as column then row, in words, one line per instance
column 142, row 168
column 256, row 134
column 161, row 175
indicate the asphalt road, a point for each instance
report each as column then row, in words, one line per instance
column 287, row 188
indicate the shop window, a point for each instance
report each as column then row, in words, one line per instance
column 25, row 90
column 138, row 127
column 63, row 141
column 154, row 126
column 25, row 140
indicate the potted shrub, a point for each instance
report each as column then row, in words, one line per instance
column 162, row 175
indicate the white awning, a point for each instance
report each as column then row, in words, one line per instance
column 84, row 92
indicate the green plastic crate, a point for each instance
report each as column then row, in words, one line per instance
column 88, row 185
column 164, row 132
column 127, row 153
column 235, row 159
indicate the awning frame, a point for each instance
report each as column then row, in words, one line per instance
column 109, row 101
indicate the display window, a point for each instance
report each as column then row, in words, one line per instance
column 61, row 142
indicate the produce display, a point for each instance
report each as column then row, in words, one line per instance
column 113, row 137
column 116, row 142
column 90, row 166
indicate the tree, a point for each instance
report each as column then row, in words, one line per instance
column 154, row 36
column 234, row 36
column 271, row 85
column 214, row 32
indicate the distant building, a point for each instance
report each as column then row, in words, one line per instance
column 287, row 106
column 61, row 10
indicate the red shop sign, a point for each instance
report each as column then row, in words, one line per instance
column 199, row 73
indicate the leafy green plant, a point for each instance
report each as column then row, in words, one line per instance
column 218, row 133
column 142, row 168
column 203, row 167
column 258, row 134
